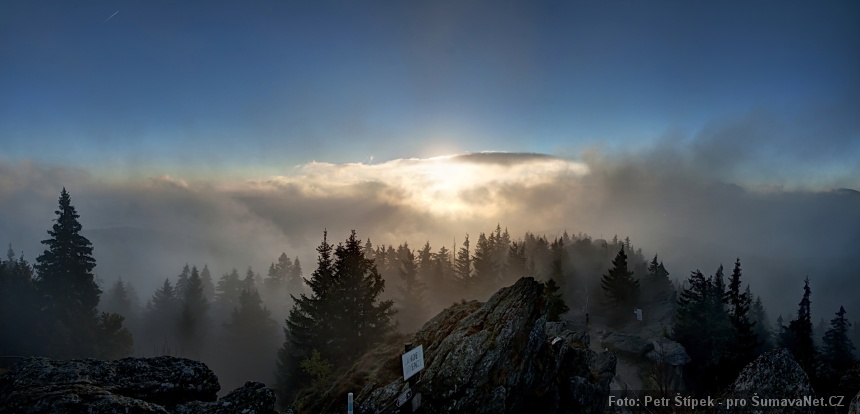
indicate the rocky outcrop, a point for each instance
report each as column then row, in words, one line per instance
column 564, row 330
column 854, row 408
column 774, row 375
column 493, row 357
column 130, row 385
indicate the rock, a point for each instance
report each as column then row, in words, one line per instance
column 482, row 358
column 626, row 343
column 773, row 375
column 130, row 385
column 564, row 331
column 855, row 405
column 251, row 398
column 668, row 351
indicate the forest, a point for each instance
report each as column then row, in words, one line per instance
column 294, row 325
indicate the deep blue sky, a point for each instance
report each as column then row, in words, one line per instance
column 186, row 130
column 187, row 87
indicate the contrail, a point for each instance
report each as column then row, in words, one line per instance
column 111, row 16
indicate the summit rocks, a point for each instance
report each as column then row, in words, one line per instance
column 130, row 385
column 492, row 357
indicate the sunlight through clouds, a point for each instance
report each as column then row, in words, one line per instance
column 452, row 186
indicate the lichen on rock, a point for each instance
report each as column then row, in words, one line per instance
column 131, row 385
column 492, row 357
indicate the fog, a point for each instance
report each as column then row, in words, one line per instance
column 697, row 200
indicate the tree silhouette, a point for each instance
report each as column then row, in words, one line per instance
column 463, row 266
column 18, row 307
column 342, row 317
column 412, row 312
column 160, row 322
column 619, row 286
column 194, row 318
column 484, row 264
column 703, row 327
column 837, row 358
column 66, row 282
column 798, row 337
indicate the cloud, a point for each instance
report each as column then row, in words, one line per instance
column 675, row 199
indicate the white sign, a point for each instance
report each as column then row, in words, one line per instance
column 413, row 361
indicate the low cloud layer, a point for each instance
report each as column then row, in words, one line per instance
column 675, row 200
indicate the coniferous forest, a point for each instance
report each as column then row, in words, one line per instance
column 296, row 327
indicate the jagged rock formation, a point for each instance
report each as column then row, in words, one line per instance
column 855, row 405
column 494, row 357
column 773, row 375
column 564, row 330
column 130, row 385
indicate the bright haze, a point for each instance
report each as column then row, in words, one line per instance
column 227, row 132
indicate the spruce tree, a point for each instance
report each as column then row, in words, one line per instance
column 251, row 340
column 208, row 285
column 426, row 266
column 116, row 299
column 557, row 260
column 67, row 285
column 743, row 348
column 484, row 263
column 19, row 308
column 306, row 327
column 227, row 293
column 838, row 352
column 161, row 320
column 761, row 324
column 194, row 318
column 517, row 262
column 556, row 307
column 657, row 286
column 800, row 340
column 363, row 319
column 341, row 318
column 412, row 312
column 463, row 266
column 500, row 252
column 182, row 280
column 619, row 286
column 702, row 326
column 296, row 281
column 250, row 280
column 442, row 284
column 113, row 341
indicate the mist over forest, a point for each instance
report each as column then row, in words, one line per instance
column 279, row 188
column 693, row 217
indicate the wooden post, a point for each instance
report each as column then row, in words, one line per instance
column 413, row 379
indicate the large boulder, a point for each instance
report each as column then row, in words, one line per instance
column 493, row 357
column 625, row 343
column 129, row 385
column 667, row 351
column 774, row 375
column 251, row 398
column 854, row 408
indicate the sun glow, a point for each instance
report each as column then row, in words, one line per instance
column 453, row 186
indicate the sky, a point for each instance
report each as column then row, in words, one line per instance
column 225, row 132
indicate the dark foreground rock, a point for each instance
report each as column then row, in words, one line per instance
column 854, row 408
column 772, row 377
column 130, row 385
column 494, row 357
